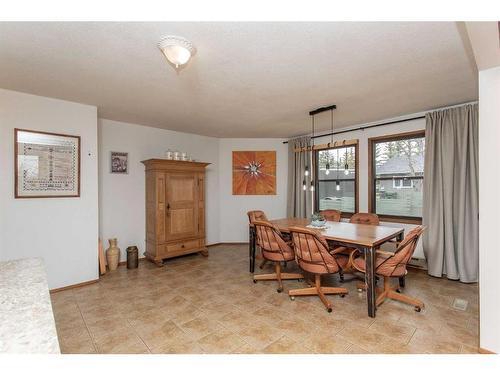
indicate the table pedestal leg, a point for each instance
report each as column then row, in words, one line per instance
column 370, row 280
column 251, row 247
column 399, row 238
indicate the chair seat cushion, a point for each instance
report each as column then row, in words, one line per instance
column 380, row 269
column 277, row 256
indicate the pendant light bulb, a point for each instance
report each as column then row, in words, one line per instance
column 327, row 172
column 312, row 186
column 306, row 171
column 346, row 169
column 337, row 186
column 304, row 187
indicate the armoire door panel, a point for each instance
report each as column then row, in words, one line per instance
column 181, row 188
column 181, row 212
column 181, row 221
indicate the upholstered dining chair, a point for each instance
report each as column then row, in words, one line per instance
column 257, row 215
column 331, row 215
column 345, row 252
column 274, row 249
column 389, row 265
column 312, row 255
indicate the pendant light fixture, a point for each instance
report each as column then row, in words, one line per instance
column 337, row 183
column 312, row 150
column 346, row 166
column 327, row 172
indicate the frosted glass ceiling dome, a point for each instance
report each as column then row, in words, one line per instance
column 176, row 49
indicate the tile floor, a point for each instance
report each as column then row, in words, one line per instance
column 210, row 305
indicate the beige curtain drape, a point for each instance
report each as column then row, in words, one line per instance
column 450, row 210
column 299, row 201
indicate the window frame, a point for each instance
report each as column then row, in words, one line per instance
column 372, row 179
column 338, row 145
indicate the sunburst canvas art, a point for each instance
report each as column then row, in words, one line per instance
column 254, row 172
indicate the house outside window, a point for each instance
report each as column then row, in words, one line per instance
column 337, row 186
column 396, row 170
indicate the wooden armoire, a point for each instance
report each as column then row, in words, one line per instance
column 175, row 208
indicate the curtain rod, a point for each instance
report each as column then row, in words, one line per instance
column 366, row 127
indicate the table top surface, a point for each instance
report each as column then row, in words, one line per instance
column 356, row 234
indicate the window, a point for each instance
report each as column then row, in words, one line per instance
column 337, row 179
column 402, row 183
column 397, row 175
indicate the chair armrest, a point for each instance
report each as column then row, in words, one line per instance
column 338, row 250
column 387, row 253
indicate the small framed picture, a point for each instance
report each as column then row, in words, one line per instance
column 119, row 162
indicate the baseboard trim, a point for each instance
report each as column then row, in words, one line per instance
column 73, row 286
column 228, row 243
column 485, row 351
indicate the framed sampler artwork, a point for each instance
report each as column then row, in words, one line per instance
column 254, row 172
column 119, row 162
column 47, row 165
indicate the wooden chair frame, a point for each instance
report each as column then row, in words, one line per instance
column 278, row 274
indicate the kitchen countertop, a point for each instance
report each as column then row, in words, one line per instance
column 27, row 321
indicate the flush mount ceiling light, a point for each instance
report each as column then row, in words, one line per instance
column 176, row 49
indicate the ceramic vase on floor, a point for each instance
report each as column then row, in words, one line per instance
column 113, row 254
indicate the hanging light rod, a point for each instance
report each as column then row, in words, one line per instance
column 366, row 127
column 322, row 109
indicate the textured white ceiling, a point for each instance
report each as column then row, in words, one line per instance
column 247, row 79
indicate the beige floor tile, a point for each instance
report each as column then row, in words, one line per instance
column 201, row 326
column 286, row 345
column 327, row 343
column 76, row 341
column 160, row 335
column 261, row 335
column 220, row 342
column 397, row 330
column 123, row 342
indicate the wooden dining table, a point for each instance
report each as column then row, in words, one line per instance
column 366, row 238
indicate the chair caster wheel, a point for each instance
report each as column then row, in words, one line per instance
column 342, row 296
column 329, row 309
column 292, row 298
column 255, row 281
column 398, row 290
column 417, row 309
column 279, row 290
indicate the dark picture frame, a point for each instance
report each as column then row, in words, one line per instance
column 118, row 162
column 50, row 154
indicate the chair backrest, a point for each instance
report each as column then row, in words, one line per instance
column 396, row 265
column 271, row 243
column 256, row 215
column 311, row 251
column 331, row 215
column 364, row 218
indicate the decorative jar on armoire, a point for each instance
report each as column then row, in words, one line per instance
column 175, row 208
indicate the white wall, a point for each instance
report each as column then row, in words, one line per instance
column 489, row 207
column 233, row 208
column 122, row 197
column 62, row 231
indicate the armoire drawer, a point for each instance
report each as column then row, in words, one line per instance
column 183, row 246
